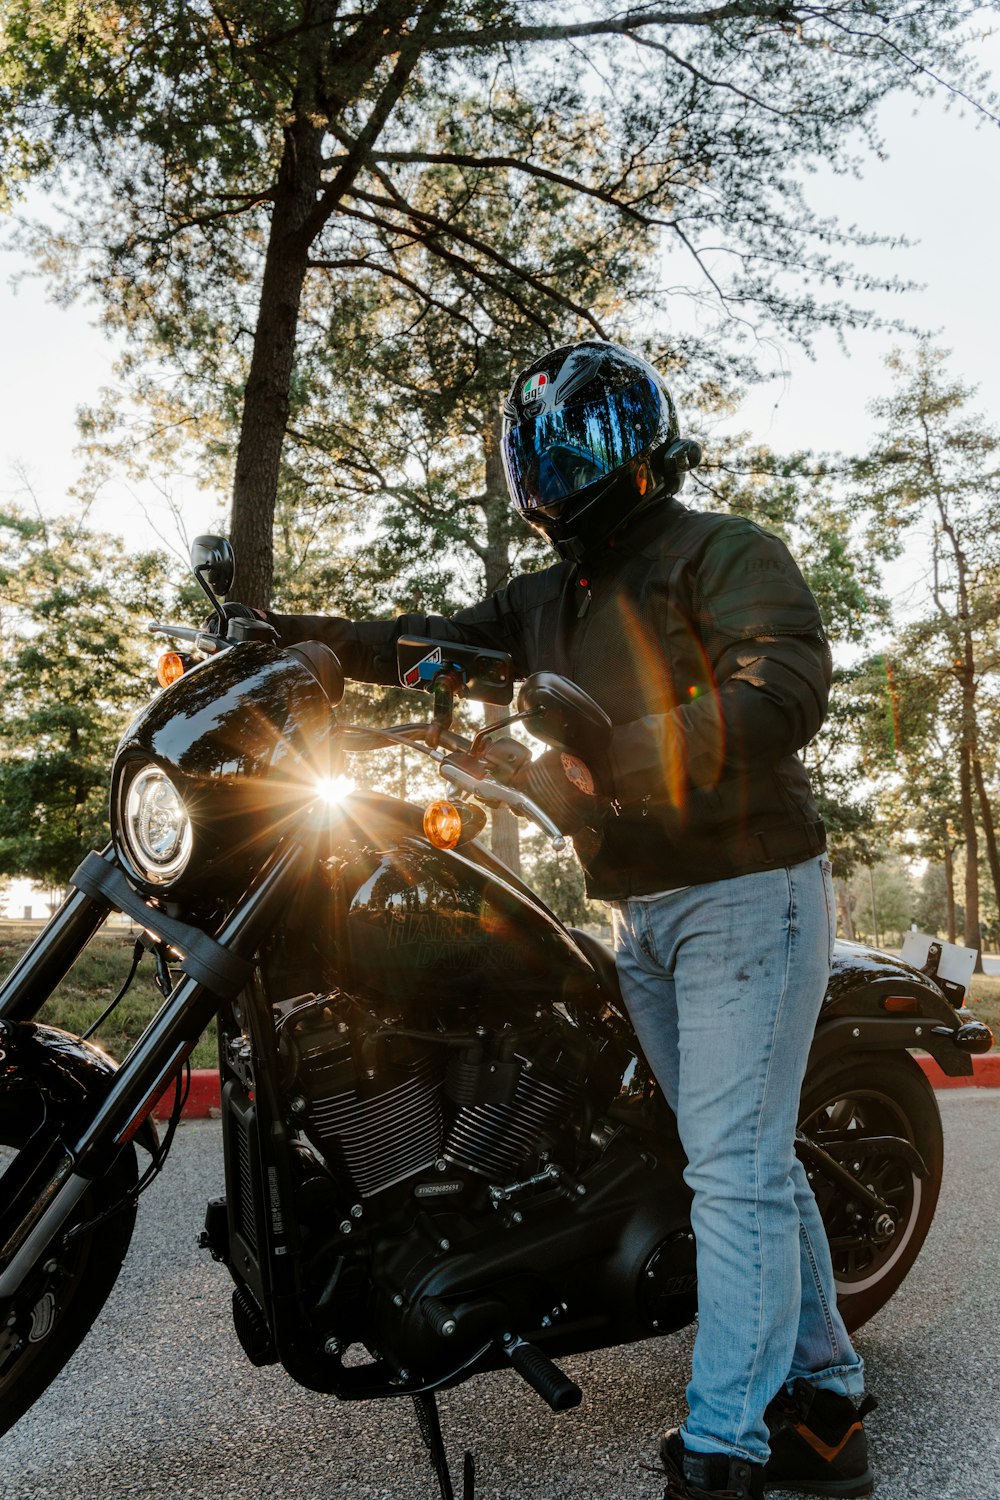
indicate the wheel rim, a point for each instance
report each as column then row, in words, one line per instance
column 859, row 1260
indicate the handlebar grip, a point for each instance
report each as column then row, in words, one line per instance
column 561, row 1393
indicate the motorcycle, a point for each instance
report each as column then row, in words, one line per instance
column 444, row 1151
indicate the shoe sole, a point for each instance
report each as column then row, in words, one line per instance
column 840, row 1489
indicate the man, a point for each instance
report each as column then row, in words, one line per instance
column 698, row 636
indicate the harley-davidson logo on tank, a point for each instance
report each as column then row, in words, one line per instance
column 437, row 918
column 408, row 917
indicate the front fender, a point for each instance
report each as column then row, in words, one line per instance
column 70, row 1074
column 877, row 1002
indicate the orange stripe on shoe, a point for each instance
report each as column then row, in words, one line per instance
column 825, row 1450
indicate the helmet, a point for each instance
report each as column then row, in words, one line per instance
column 590, row 436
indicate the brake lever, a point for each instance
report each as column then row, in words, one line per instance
column 492, row 792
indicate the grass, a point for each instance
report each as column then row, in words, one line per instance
column 92, row 983
column 101, row 969
column 984, row 1001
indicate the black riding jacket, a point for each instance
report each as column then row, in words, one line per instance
column 699, row 638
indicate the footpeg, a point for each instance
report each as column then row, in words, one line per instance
column 561, row 1393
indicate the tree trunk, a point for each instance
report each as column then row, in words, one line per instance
column 844, row 909
column 949, row 888
column 989, row 829
column 971, row 938
column 300, row 211
column 266, row 401
column 965, row 672
column 505, row 832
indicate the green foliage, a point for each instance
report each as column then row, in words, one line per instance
column 91, row 984
column 558, row 879
column 895, row 898
column 931, row 909
column 75, row 667
column 936, row 465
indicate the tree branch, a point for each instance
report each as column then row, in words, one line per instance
column 443, row 227
column 513, row 163
column 410, row 50
column 621, row 25
column 450, row 257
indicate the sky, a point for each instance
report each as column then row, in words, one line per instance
column 938, row 186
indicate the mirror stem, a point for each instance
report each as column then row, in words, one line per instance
column 210, row 595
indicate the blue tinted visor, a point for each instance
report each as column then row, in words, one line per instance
column 551, row 457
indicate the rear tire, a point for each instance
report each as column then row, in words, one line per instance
column 42, row 1326
column 883, row 1094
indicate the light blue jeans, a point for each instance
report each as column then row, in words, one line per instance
column 723, row 983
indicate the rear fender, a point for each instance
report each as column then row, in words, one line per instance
column 70, row 1075
column 876, row 1002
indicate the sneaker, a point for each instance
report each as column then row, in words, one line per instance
column 708, row 1476
column 818, row 1445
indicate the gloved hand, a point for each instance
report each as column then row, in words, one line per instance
column 565, row 788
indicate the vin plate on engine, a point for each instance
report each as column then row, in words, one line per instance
column 436, row 1189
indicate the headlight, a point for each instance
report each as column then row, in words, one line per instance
column 155, row 826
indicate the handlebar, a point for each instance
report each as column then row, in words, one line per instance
column 200, row 639
column 485, row 787
column 443, row 743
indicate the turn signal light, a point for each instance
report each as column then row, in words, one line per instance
column 443, row 825
column 169, row 667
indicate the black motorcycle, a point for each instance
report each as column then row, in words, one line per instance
column 444, row 1152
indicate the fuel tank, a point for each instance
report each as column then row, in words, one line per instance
column 399, row 922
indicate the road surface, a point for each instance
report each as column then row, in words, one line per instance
column 161, row 1402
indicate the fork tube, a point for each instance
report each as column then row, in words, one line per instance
column 180, row 1021
column 154, row 1059
column 53, row 953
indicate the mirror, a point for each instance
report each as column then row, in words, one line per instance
column 213, row 559
column 565, row 716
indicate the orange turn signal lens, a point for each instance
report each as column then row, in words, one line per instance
column 443, row 825
column 169, row 667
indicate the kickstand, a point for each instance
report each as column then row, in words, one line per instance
column 430, row 1430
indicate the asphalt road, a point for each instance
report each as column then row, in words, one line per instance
column 161, row 1402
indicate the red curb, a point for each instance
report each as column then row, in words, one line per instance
column 203, row 1096
column 202, row 1099
column 985, row 1073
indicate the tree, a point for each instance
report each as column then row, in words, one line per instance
column 221, row 152
column 883, row 900
column 935, row 911
column 75, row 668
column 935, row 464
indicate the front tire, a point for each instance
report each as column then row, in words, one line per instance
column 41, row 1327
column 869, row 1095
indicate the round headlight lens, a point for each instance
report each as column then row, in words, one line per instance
column 156, row 826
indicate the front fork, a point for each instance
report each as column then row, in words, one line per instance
column 62, row 1176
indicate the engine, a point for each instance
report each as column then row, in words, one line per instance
column 459, row 1171
column 386, row 1105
